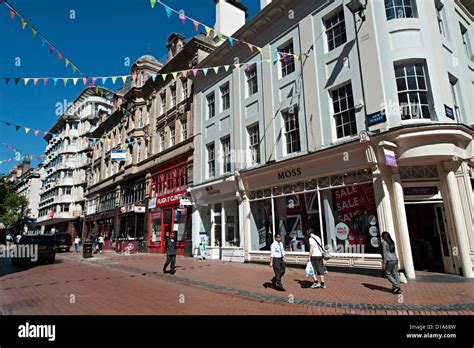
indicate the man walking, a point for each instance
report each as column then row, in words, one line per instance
column 277, row 262
column 76, row 243
column 316, row 259
column 170, row 246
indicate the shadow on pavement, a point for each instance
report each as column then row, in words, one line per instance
column 376, row 287
column 305, row 284
column 268, row 285
column 6, row 266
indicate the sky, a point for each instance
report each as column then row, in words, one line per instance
column 98, row 36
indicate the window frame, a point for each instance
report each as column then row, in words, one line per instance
column 251, row 77
column 393, row 9
column 211, row 160
column 225, row 96
column 344, row 116
column 254, row 147
column 331, row 27
column 292, row 135
column 287, row 64
column 226, row 155
column 211, row 105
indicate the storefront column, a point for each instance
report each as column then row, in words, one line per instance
column 212, row 225
column 461, row 233
column 403, row 225
column 223, row 216
column 196, row 228
column 244, row 233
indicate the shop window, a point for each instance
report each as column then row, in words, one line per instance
column 232, row 234
column 350, row 220
column 261, row 224
column 156, row 229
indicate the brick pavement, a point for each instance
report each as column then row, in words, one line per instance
column 134, row 284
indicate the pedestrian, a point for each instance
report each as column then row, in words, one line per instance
column 277, row 262
column 101, row 243
column 77, row 240
column 170, row 246
column 316, row 258
column 390, row 262
column 94, row 241
column 9, row 239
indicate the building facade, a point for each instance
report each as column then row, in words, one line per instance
column 64, row 179
column 143, row 197
column 29, row 186
column 371, row 129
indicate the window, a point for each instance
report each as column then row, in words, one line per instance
column 172, row 135
column 288, row 62
column 344, row 112
column 73, row 141
column 67, row 191
column 184, row 84
column 74, row 125
column 173, row 96
column 211, row 164
column 400, row 9
column 252, row 83
column 211, row 105
column 336, row 30
column 440, row 16
column 466, row 41
column 225, row 95
column 184, row 130
column 454, row 83
column 292, row 131
column 412, row 91
column 139, row 152
column 254, row 144
column 163, row 102
column 162, row 139
column 226, row 155
column 69, row 174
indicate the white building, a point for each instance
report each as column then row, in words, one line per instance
column 29, row 186
column 64, row 180
column 369, row 132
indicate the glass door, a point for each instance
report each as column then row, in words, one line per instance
column 444, row 239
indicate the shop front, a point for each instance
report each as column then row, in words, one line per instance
column 169, row 208
column 217, row 219
column 102, row 224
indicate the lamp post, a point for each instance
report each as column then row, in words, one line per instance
column 358, row 7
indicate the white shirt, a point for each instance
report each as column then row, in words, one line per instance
column 277, row 250
column 77, row 240
column 316, row 248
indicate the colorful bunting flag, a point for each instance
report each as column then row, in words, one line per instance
column 33, row 32
column 45, row 80
column 205, row 70
column 67, row 62
column 196, row 25
column 226, row 67
column 36, row 132
column 153, row 77
column 74, row 80
column 12, row 13
column 124, row 79
column 168, row 11
column 104, row 80
column 26, row 81
column 23, row 23
column 60, row 55
column 17, row 128
column 231, row 42
column 35, row 81
column 208, row 31
column 175, row 74
column 114, row 79
column 195, row 72
column 27, row 130
column 216, row 70
column 164, row 76
column 152, row 3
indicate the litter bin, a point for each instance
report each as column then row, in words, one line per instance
column 87, row 250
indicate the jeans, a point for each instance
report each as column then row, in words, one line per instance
column 279, row 269
column 170, row 259
column 391, row 273
column 76, row 247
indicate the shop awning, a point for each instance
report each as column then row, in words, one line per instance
column 54, row 221
column 217, row 191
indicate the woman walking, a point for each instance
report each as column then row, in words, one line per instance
column 390, row 262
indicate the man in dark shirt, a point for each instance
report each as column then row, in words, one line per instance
column 170, row 247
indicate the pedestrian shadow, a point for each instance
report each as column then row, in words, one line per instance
column 305, row 284
column 267, row 285
column 376, row 287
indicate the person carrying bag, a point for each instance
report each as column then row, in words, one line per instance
column 316, row 257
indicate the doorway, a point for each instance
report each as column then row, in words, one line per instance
column 167, row 226
column 429, row 238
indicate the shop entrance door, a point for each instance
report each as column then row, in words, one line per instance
column 167, row 226
column 429, row 238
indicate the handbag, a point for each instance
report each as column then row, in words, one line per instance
column 326, row 255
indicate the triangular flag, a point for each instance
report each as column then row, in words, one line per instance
column 33, row 32
column 60, row 55
column 250, row 47
column 259, row 50
column 205, row 70
column 45, row 80
column 94, row 79
column 27, row 130
column 36, row 133
column 195, row 72
column 152, row 3
column 12, row 13
column 183, row 18
column 153, row 77
column 17, row 80
column 175, row 74
column 124, row 78
column 216, row 70
column 17, row 128
column 43, row 42
column 74, row 80
column 67, row 62
column 35, row 81
column 168, row 11
column 208, row 30
column 226, row 67
column 185, row 73
column 55, row 81
column 237, row 66
column 65, row 82
column 114, row 79
column 219, row 36
column 231, row 42
column 84, row 79
column 45, row 134
column 164, row 76
column 104, row 80
column 23, row 23
column 247, row 66
column 26, row 80
column 74, row 69
column 196, row 25
column 7, row 79
column 51, row 49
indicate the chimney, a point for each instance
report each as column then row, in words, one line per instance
column 230, row 16
column 264, row 3
column 174, row 44
column 25, row 165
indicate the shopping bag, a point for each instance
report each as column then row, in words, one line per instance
column 309, row 270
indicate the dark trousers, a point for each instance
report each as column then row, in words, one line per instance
column 170, row 259
column 279, row 269
column 391, row 273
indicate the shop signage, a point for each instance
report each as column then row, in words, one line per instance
column 118, row 155
column 152, row 203
column 449, row 112
column 175, row 198
column 184, row 202
column 390, row 159
column 290, row 173
column 91, row 209
column 376, row 118
column 421, row 191
column 342, row 231
column 139, row 209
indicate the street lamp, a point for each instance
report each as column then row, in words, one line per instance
column 357, row 6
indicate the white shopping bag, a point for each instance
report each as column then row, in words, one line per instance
column 309, row 270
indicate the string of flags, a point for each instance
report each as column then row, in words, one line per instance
column 44, row 41
column 209, row 31
column 21, row 158
column 133, row 77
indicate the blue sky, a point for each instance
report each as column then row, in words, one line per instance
column 98, row 41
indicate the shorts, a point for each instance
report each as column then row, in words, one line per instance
column 318, row 265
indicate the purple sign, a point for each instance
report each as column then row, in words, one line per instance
column 390, row 159
column 420, row 191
